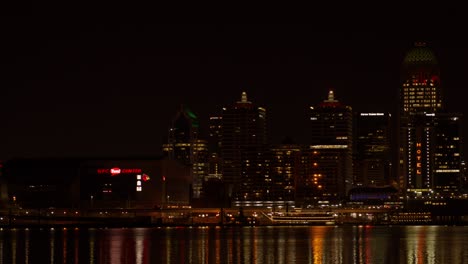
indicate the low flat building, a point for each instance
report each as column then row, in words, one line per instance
column 96, row 183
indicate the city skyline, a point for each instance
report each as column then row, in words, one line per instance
column 102, row 90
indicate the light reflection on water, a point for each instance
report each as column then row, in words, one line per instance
column 316, row 244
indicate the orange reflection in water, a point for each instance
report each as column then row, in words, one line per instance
column 52, row 245
column 317, row 241
column 64, row 246
column 141, row 246
column 26, row 246
column 421, row 244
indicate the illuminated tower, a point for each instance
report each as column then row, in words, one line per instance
column 330, row 176
column 429, row 140
column 243, row 144
column 185, row 146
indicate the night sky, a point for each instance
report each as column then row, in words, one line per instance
column 95, row 88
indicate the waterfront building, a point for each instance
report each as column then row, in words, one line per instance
column 110, row 183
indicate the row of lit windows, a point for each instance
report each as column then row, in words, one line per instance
column 419, row 101
column 421, row 105
column 417, row 89
column 421, row 95
column 415, row 83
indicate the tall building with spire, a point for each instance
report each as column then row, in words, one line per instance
column 429, row 139
column 243, row 144
column 330, row 152
column 185, row 146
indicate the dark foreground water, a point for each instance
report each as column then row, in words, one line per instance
column 317, row 244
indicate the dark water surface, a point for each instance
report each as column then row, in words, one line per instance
column 316, row 244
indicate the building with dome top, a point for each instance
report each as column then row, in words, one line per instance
column 430, row 141
column 420, row 90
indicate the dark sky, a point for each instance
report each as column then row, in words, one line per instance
column 102, row 88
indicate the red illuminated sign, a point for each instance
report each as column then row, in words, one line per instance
column 116, row 171
column 145, row 177
column 418, row 158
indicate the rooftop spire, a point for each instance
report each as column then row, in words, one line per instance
column 244, row 99
column 331, row 97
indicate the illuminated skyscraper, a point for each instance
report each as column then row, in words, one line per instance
column 243, row 144
column 215, row 130
column 185, row 146
column 330, row 175
column 285, row 168
column 183, row 131
column 434, row 154
column 214, row 147
column 430, row 142
column 373, row 157
column 448, row 168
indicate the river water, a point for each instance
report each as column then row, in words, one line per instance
column 311, row 244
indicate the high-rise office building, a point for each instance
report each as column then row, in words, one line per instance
column 215, row 130
column 244, row 141
column 430, row 138
column 372, row 164
column 330, row 152
column 214, row 146
column 448, row 152
column 184, row 146
column 285, row 165
column 434, row 154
